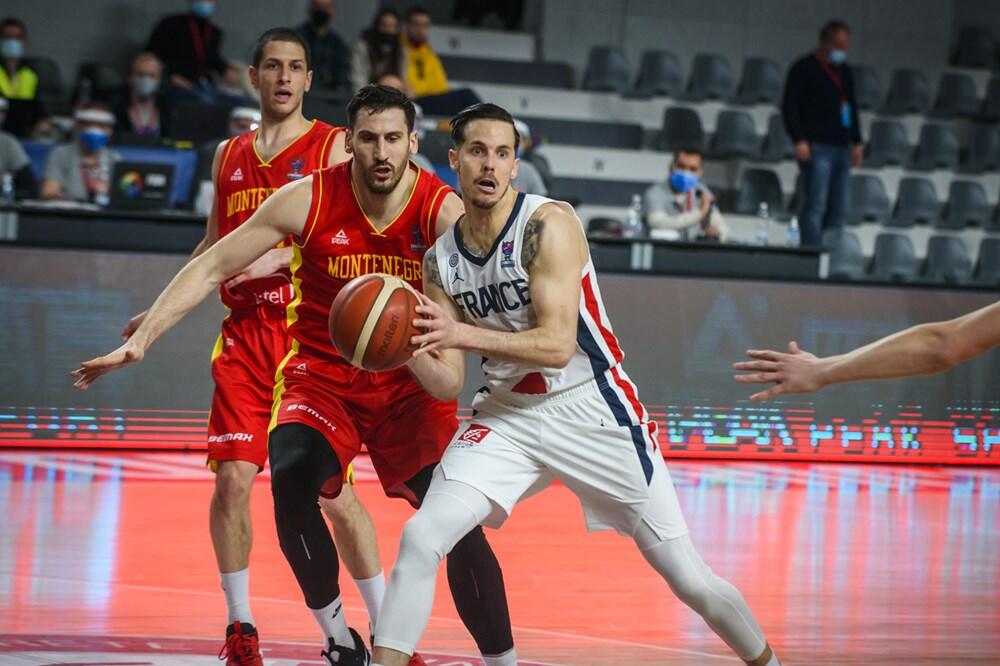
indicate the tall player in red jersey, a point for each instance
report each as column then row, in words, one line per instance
column 376, row 213
column 254, row 338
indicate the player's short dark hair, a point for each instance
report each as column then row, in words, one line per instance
column 281, row 34
column 375, row 98
column 14, row 22
column 415, row 10
column 481, row 111
column 688, row 150
column 831, row 28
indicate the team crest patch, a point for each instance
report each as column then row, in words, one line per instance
column 297, row 165
column 417, row 240
column 474, row 434
column 507, row 249
column 453, row 259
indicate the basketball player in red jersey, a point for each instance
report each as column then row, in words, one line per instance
column 254, row 338
column 376, row 213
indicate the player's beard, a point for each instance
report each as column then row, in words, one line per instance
column 386, row 186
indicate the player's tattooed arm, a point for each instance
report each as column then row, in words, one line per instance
column 431, row 267
column 529, row 244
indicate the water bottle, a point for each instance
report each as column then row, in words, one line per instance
column 763, row 224
column 633, row 220
column 794, row 236
column 8, row 187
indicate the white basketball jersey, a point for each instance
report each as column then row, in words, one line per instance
column 493, row 292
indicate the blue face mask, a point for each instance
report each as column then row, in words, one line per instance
column 94, row 139
column 11, row 48
column 838, row 56
column 202, row 9
column 683, row 181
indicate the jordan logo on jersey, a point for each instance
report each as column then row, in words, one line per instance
column 340, row 238
column 237, row 175
column 505, row 296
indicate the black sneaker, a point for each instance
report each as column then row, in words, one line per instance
column 339, row 655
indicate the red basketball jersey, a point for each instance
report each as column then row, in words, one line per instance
column 339, row 243
column 245, row 180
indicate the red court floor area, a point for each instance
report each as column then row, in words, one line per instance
column 106, row 559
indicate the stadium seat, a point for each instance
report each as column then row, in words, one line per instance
column 894, row 259
column 735, row 135
column 887, row 144
column 597, row 192
column 983, row 151
column 967, row 206
column 106, row 82
column 777, row 144
column 916, row 203
column 988, row 262
column 956, row 96
column 586, row 132
column 948, row 261
column 544, row 169
column 605, row 226
column 868, row 201
column 756, row 186
column 607, row 70
column 51, row 87
column 990, row 109
column 867, row 89
column 538, row 74
column 660, row 73
column 937, row 148
column 909, row 92
column 847, row 260
column 681, row 129
column 760, row 83
column 973, row 47
column 711, row 78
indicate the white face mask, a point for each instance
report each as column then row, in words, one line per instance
column 145, row 86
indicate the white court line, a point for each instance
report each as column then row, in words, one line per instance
column 543, row 632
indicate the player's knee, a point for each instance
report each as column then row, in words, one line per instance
column 301, row 461
column 232, row 486
column 344, row 509
column 420, row 543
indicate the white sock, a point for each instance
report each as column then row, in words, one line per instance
column 508, row 658
column 333, row 623
column 372, row 590
column 236, row 587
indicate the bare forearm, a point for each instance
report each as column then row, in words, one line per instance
column 921, row 350
column 538, row 347
column 439, row 377
column 188, row 288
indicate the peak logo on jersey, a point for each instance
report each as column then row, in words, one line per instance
column 507, row 249
column 474, row 434
column 340, row 238
column 301, row 369
column 296, row 165
column 503, row 297
column 237, row 175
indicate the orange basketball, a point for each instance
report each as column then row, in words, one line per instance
column 371, row 321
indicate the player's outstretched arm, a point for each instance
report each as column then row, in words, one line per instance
column 554, row 253
column 442, row 372
column 281, row 214
column 921, row 350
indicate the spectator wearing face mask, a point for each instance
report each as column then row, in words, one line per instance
column 378, row 52
column 139, row 113
column 821, row 117
column 18, row 82
column 683, row 204
column 189, row 47
column 529, row 178
column 15, row 161
column 81, row 169
column 331, row 59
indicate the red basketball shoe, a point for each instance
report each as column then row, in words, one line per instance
column 241, row 648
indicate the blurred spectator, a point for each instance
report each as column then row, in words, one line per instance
column 821, row 117
column 81, row 169
column 235, row 84
column 15, row 161
column 331, row 59
column 473, row 12
column 140, row 112
column 378, row 51
column 242, row 119
column 529, row 178
column 18, row 82
column 424, row 73
column 188, row 45
column 683, row 204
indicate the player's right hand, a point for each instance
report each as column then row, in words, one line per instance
column 132, row 325
column 89, row 371
column 795, row 372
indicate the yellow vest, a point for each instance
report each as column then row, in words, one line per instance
column 424, row 71
column 22, row 86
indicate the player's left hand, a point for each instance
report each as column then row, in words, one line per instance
column 795, row 372
column 268, row 264
column 89, row 371
column 440, row 330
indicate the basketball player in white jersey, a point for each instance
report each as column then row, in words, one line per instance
column 514, row 283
